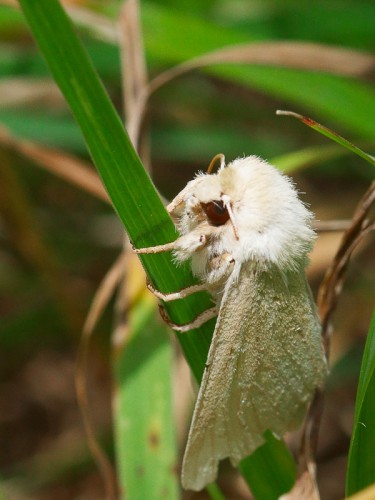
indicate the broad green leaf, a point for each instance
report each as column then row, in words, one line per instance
column 145, row 438
column 361, row 463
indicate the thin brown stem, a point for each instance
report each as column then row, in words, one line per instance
column 328, row 296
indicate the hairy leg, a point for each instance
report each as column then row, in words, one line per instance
column 196, row 323
column 181, row 294
column 185, row 244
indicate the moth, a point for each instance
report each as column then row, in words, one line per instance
column 247, row 235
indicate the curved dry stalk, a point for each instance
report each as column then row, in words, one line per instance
column 102, row 296
column 305, row 487
column 300, row 55
column 134, row 72
column 61, row 164
column 327, row 226
column 104, row 293
column 16, row 91
column 328, row 295
column 333, row 281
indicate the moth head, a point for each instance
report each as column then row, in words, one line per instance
column 219, row 211
column 203, row 203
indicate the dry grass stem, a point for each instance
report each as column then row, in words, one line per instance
column 61, row 164
column 134, row 72
column 325, row 226
column 331, row 286
column 329, row 292
column 21, row 91
column 102, row 296
column 305, row 488
column 301, row 55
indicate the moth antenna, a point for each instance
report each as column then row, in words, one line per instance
column 228, row 206
column 214, row 160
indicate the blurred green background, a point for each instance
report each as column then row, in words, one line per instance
column 58, row 241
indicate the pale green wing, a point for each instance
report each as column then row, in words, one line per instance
column 264, row 363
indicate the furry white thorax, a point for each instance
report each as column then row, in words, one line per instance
column 273, row 224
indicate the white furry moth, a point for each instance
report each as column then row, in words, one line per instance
column 247, row 235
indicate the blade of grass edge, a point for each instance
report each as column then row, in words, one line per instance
column 132, row 193
column 330, row 134
column 361, row 465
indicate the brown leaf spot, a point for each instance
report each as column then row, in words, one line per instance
column 154, row 439
column 308, row 121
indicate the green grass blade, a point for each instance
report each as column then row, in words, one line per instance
column 314, row 155
column 270, row 471
column 267, row 482
column 361, row 463
column 214, row 492
column 330, row 134
column 128, row 185
column 146, row 449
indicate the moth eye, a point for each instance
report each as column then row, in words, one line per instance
column 216, row 212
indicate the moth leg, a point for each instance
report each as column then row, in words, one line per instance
column 181, row 294
column 196, row 323
column 157, row 249
column 186, row 244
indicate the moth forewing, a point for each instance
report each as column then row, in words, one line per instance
column 264, row 363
